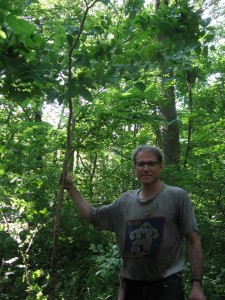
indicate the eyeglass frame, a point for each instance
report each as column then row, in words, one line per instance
column 150, row 164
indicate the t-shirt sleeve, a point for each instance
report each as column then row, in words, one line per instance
column 103, row 217
column 186, row 214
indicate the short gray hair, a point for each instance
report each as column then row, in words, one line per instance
column 147, row 148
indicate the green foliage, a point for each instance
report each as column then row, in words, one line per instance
column 106, row 272
column 116, row 67
column 107, row 260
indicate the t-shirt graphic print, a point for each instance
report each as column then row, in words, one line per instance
column 143, row 237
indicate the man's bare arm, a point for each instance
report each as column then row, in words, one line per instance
column 196, row 262
column 83, row 207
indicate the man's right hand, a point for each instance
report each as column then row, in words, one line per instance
column 68, row 182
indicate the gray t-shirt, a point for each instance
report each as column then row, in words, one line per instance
column 149, row 234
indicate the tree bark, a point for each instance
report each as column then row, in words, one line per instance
column 170, row 128
column 167, row 107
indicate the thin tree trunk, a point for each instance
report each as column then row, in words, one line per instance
column 70, row 129
column 68, row 152
column 190, row 118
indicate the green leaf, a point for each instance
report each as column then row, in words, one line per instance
column 73, row 88
column 43, row 211
column 25, row 103
column 2, row 35
column 85, row 93
column 5, row 5
column 141, row 86
column 59, row 40
column 69, row 39
column 20, row 26
column 105, row 1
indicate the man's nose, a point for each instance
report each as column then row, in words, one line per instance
column 146, row 167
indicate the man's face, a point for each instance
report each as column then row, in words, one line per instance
column 147, row 167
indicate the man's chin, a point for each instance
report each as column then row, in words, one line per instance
column 147, row 180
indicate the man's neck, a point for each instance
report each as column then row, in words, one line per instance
column 148, row 191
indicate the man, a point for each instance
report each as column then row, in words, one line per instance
column 149, row 224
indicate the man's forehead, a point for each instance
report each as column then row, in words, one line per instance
column 146, row 155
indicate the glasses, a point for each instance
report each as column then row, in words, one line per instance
column 150, row 164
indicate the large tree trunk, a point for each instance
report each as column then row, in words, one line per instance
column 170, row 127
column 167, row 107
